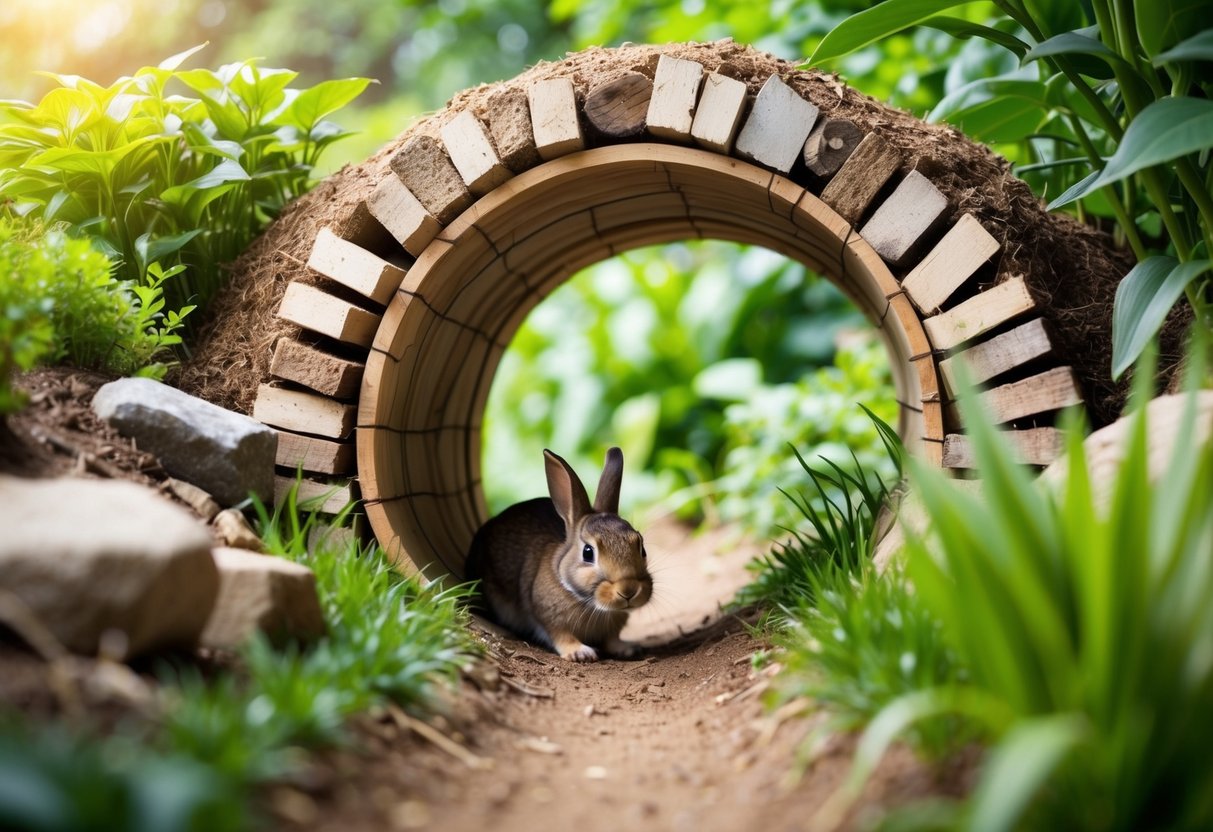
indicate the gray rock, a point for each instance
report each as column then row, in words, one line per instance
column 262, row 592
column 89, row 557
column 226, row 454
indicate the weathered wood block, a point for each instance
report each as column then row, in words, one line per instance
column 1035, row 446
column 509, row 116
column 312, row 309
column 554, row 118
column 903, row 218
column 327, row 498
column 1050, row 390
column 777, row 127
column 675, row 91
column 303, row 412
column 861, row 177
column 962, row 251
column 979, row 314
column 314, row 454
column 830, row 144
column 1004, row 352
column 405, row 218
column 354, row 267
column 316, row 369
column 721, row 106
column 426, row 170
column 473, row 154
column 618, row 109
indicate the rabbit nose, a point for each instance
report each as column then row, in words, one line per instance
column 629, row 590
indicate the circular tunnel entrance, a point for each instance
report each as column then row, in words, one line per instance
column 432, row 361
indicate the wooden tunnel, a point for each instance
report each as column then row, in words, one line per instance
column 381, row 392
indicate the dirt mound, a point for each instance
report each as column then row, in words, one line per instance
column 1071, row 269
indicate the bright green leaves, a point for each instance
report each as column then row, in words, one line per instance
column 1163, row 23
column 995, row 110
column 1143, row 299
column 876, row 23
column 314, row 104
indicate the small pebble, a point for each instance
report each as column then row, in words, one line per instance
column 595, row 773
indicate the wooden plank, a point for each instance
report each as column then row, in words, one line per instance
column 334, row 496
column 902, row 219
column 618, row 109
column 830, row 144
column 472, row 153
column 314, row 454
column 675, row 91
column 402, row 214
column 960, row 253
column 312, row 309
column 426, row 170
column 1004, row 352
column 354, row 267
column 303, row 412
column 1050, row 390
column 979, row 314
column 316, row 369
column 509, row 116
column 861, row 177
column 554, row 118
column 721, row 106
column 1035, row 446
column 777, row 127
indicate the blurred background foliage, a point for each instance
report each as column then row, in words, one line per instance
column 702, row 360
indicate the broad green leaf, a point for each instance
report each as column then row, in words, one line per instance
column 261, row 89
column 314, row 103
column 880, row 21
column 1163, row 23
column 174, row 62
column 1076, row 191
column 958, row 27
column 1143, row 299
column 151, row 249
column 1017, row 768
column 1163, row 131
column 1199, row 47
column 227, row 171
column 1071, row 44
column 995, row 109
column 98, row 162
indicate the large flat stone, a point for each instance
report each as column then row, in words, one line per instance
column 87, row 556
column 226, row 454
column 262, row 593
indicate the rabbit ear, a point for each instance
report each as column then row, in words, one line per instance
column 566, row 490
column 607, row 498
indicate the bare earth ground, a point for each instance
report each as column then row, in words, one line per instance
column 678, row 739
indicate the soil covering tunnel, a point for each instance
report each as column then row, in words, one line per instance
column 367, row 323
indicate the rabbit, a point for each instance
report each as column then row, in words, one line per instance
column 560, row 572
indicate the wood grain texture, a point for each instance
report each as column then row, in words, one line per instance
column 979, row 314
column 1051, row 390
column 316, row 369
column 718, row 115
column 777, row 127
column 472, row 152
column 952, row 261
column 830, row 144
column 618, row 109
column 326, row 497
column 303, row 412
column 984, row 361
column 675, row 91
column 554, row 120
column 861, row 177
column 426, row 170
column 402, row 214
column 901, row 220
column 509, row 115
column 354, row 267
column 1034, row 446
column 322, row 456
column 312, row 309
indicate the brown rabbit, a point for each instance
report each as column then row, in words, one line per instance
column 561, row 572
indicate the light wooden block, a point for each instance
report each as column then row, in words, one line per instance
column 904, row 217
column 962, row 251
column 312, row 309
column 675, row 91
column 861, row 177
column 721, row 106
column 303, row 412
column 405, row 218
column 509, row 117
column 1050, row 390
column 1035, row 446
column 979, row 314
column 314, row 454
column 471, row 150
column 354, row 267
column 333, row 496
column 316, row 369
column 1004, row 352
column 428, row 172
column 554, row 118
column 776, row 129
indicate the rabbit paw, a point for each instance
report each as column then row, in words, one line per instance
column 574, row 651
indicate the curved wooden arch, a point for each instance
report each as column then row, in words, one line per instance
column 476, row 247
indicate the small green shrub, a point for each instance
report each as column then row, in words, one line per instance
column 27, row 335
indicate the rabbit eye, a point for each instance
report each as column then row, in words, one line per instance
column 587, row 554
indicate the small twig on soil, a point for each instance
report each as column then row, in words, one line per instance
column 535, row 659
column 529, row 690
column 58, row 440
column 439, row 739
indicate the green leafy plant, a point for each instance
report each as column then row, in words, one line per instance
column 27, row 335
column 156, row 176
column 1109, row 108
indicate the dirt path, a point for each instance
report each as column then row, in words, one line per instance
column 678, row 740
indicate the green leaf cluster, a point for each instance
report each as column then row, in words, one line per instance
column 177, row 166
column 1108, row 108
